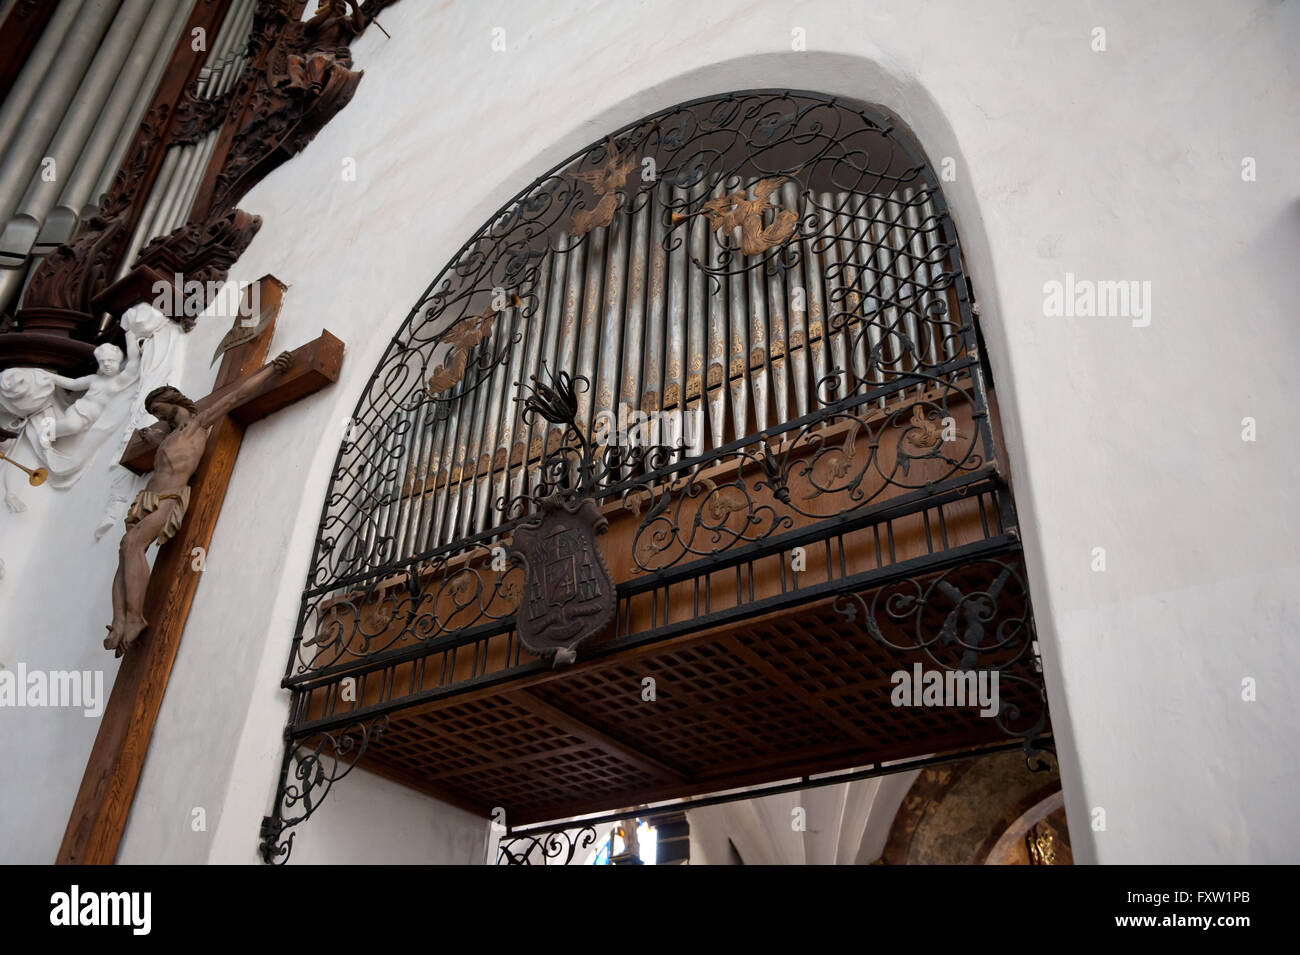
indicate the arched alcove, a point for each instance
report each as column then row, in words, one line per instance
column 739, row 331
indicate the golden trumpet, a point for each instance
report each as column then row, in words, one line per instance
column 35, row 478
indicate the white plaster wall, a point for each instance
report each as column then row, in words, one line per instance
column 425, row 831
column 1116, row 165
column 842, row 824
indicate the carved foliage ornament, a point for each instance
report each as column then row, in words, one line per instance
column 568, row 592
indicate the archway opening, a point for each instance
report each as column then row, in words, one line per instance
column 738, row 336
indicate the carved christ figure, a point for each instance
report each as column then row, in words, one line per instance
column 157, row 511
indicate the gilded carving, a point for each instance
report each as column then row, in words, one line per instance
column 737, row 211
column 606, row 183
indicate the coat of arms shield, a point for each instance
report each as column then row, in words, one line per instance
column 568, row 593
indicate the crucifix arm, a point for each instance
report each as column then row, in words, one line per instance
column 218, row 409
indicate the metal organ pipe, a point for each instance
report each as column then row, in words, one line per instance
column 589, row 327
column 34, row 79
column 502, row 346
column 833, row 274
column 51, row 98
column 544, row 343
column 696, row 329
column 507, row 440
column 869, row 338
column 851, row 305
column 758, row 343
column 635, row 332
column 467, row 449
column 651, row 332
column 797, row 342
column 890, row 327
column 229, row 62
column 66, row 146
column 905, row 271
column 927, row 346
column 778, row 338
column 177, row 13
column 605, row 379
column 656, row 307
column 738, row 374
column 181, row 174
column 111, row 126
column 674, row 403
column 715, row 373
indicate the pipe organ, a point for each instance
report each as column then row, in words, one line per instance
column 132, row 129
column 70, row 117
column 704, row 402
column 670, row 354
column 174, row 190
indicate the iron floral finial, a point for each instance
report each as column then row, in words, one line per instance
column 557, row 401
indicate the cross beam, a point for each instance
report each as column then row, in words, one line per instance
column 315, row 365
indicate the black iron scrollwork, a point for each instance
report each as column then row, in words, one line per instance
column 885, row 321
column 560, row 847
column 575, row 466
column 317, row 763
column 969, row 619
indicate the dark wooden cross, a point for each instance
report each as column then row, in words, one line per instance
column 113, row 770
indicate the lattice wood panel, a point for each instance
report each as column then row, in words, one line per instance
column 798, row 692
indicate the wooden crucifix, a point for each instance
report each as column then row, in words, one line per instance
column 113, row 770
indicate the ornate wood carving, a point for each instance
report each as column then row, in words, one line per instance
column 195, row 117
column 299, row 77
column 202, row 252
column 70, row 276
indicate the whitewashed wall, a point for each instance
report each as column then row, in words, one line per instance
column 1123, row 164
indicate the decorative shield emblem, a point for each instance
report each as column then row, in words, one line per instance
column 568, row 593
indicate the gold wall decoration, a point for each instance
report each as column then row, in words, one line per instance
column 605, row 183
column 737, row 211
column 463, row 337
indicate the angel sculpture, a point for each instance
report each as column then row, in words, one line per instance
column 112, row 378
column 736, row 211
column 462, row 337
column 605, row 183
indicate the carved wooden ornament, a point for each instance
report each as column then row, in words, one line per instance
column 568, row 592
